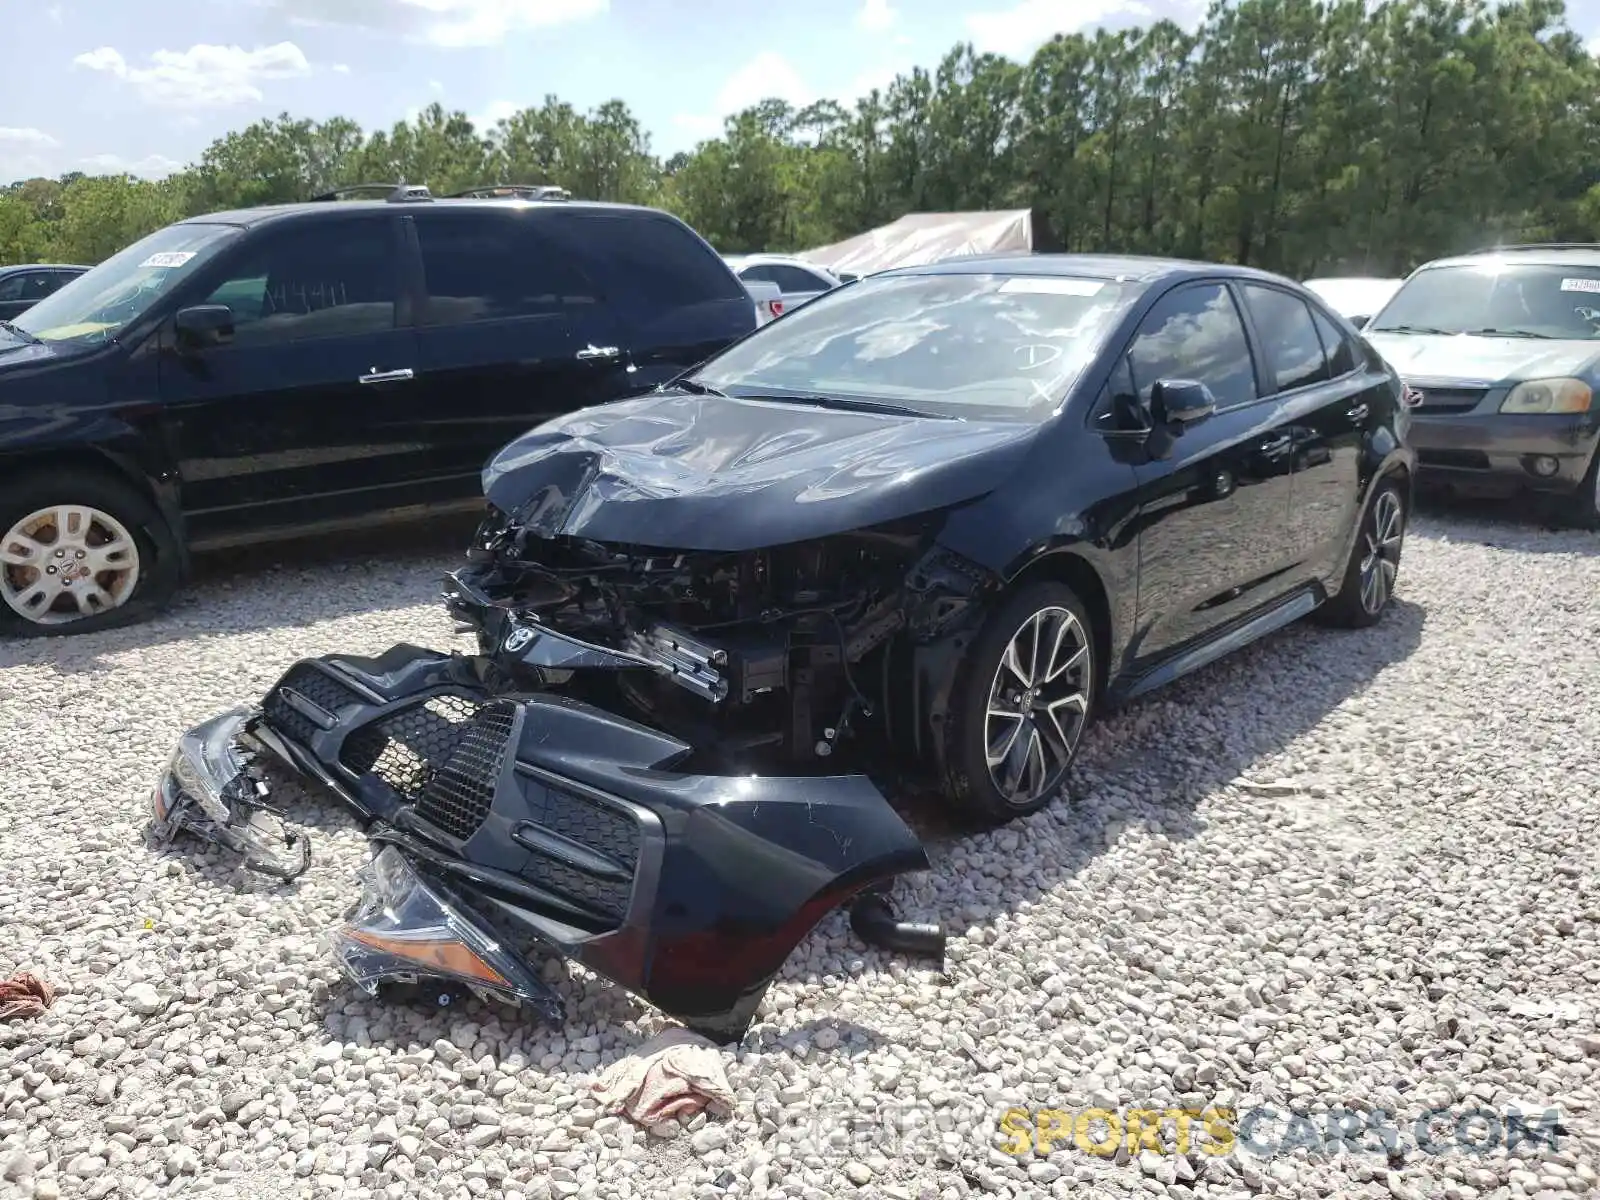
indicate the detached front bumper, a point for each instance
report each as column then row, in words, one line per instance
column 1497, row 451
column 540, row 822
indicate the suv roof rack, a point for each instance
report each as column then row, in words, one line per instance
column 519, row 191
column 1537, row 246
column 398, row 193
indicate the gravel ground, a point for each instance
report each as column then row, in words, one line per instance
column 1338, row 871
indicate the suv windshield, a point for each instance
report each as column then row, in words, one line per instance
column 1002, row 346
column 97, row 305
column 1497, row 299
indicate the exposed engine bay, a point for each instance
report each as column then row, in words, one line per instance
column 769, row 659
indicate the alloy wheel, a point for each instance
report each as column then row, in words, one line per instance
column 1038, row 705
column 67, row 562
column 1384, row 532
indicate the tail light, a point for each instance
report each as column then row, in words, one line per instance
column 775, row 307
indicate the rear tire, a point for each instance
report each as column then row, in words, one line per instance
column 1369, row 576
column 87, row 531
column 1024, row 696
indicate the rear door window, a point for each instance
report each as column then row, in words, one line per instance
column 483, row 267
column 1289, row 337
column 648, row 264
column 1339, row 346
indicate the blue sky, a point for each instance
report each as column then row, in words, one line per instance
column 145, row 85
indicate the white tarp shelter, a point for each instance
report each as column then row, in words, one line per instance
column 919, row 238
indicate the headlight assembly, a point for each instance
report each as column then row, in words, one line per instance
column 1548, row 396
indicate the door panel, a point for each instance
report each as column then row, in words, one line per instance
column 1214, row 537
column 276, row 427
column 1325, row 411
column 511, row 334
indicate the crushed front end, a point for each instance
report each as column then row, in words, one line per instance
column 509, row 822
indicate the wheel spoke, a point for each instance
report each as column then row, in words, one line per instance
column 21, row 550
column 1369, row 584
column 997, row 757
column 1033, row 768
column 1066, row 741
column 92, row 598
column 113, row 556
column 1055, row 668
column 72, row 523
column 1013, row 663
column 1037, row 625
column 38, row 598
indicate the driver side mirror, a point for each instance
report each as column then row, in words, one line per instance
column 204, row 325
column 1360, row 322
column 1176, row 403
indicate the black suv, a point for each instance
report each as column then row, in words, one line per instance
column 246, row 375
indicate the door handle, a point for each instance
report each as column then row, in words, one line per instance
column 593, row 351
column 1276, row 447
column 377, row 376
column 1358, row 413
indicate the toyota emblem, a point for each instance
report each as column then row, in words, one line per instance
column 517, row 639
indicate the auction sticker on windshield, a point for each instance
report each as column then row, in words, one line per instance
column 1580, row 285
column 1052, row 286
column 168, row 258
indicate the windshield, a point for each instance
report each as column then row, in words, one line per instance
column 1497, row 298
column 982, row 346
column 98, row 304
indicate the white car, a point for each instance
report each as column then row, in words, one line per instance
column 797, row 280
column 1355, row 298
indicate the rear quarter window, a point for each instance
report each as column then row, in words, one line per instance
column 650, row 266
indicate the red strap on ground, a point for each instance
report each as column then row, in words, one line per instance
column 24, row 996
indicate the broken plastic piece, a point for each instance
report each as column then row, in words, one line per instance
column 210, row 790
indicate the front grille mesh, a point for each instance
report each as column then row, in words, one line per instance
column 456, row 798
column 1450, row 400
column 404, row 748
column 317, row 686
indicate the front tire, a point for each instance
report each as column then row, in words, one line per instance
column 76, row 555
column 1585, row 506
column 1023, row 698
column 1369, row 575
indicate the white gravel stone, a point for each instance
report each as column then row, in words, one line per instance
column 1334, row 869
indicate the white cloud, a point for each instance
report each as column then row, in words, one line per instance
column 11, row 135
column 202, row 76
column 876, row 16
column 767, row 76
column 22, row 153
column 493, row 113
column 1593, row 45
column 341, row 68
column 152, row 166
column 447, row 23
column 1020, row 30
column 56, row 13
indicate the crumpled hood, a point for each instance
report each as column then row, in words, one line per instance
column 693, row 472
column 1482, row 359
column 16, row 355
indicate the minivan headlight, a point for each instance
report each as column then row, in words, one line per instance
column 1548, row 396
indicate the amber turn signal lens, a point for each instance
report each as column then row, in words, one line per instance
column 446, row 956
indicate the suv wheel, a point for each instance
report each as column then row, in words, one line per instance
column 1586, row 504
column 1023, row 699
column 75, row 557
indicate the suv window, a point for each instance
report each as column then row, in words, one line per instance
column 312, row 280
column 1289, row 336
column 1195, row 332
column 27, row 285
column 1341, row 350
column 648, row 264
column 494, row 266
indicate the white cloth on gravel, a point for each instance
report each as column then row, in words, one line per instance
column 670, row 1077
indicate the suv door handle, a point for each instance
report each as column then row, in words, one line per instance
column 377, row 376
column 593, row 351
column 1358, row 413
column 1277, row 446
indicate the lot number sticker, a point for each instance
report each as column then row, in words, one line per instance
column 1580, row 285
column 168, row 258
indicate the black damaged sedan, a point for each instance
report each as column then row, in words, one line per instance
column 940, row 517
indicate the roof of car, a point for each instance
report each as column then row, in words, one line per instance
column 1131, row 267
column 14, row 267
column 1551, row 254
column 310, row 208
